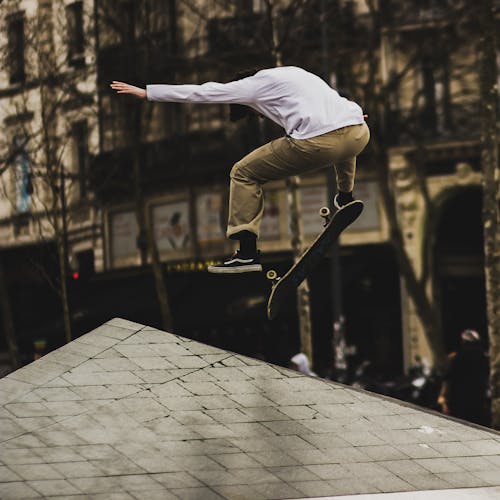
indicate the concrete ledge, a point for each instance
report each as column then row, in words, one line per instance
column 137, row 412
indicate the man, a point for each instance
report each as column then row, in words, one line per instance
column 464, row 393
column 322, row 129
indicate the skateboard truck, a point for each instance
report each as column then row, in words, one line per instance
column 272, row 275
column 325, row 213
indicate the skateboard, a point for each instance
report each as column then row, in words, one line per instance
column 333, row 226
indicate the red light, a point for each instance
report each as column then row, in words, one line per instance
column 76, row 275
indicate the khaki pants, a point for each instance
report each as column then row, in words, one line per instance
column 285, row 157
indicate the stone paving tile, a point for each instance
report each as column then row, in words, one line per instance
column 17, row 490
column 7, row 475
column 109, row 496
column 36, row 471
column 264, row 414
column 255, row 475
column 239, row 492
column 92, row 485
column 461, row 479
column 390, row 483
column 330, row 471
column 439, row 465
column 382, row 452
column 420, row 450
column 494, row 459
column 490, row 477
column 12, row 456
column 274, row 458
column 351, row 486
column 77, row 469
column 277, row 490
column 24, row 441
column 315, row 488
column 327, row 440
column 128, row 411
column 427, row 482
column 121, row 323
column 403, row 467
column 150, row 495
column 293, row 473
column 53, row 487
column 196, row 494
column 9, row 429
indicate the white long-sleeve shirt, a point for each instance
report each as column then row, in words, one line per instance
column 299, row 101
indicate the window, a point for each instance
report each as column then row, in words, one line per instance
column 74, row 16
column 22, row 176
column 80, row 155
column 15, row 37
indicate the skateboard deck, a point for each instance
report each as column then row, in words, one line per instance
column 284, row 286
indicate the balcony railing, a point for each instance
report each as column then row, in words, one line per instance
column 165, row 162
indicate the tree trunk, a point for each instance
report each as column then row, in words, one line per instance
column 377, row 97
column 62, row 260
column 54, row 169
column 416, row 288
column 65, row 305
column 303, row 300
column 147, row 245
column 491, row 195
column 7, row 322
column 147, row 242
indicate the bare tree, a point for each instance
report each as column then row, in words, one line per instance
column 293, row 184
column 52, row 96
column 135, row 36
column 7, row 322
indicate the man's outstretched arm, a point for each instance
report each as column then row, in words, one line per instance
column 239, row 91
column 125, row 88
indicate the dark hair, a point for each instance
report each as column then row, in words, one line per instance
column 238, row 111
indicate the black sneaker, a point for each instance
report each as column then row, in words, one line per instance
column 337, row 204
column 237, row 264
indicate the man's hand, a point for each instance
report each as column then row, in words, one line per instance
column 125, row 88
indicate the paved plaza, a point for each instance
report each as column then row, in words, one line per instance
column 128, row 411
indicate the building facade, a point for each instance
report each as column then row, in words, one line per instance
column 167, row 165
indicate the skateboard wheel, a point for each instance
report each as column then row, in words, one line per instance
column 324, row 212
column 271, row 274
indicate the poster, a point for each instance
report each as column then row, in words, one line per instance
column 311, row 199
column 171, row 226
column 124, row 231
column 270, row 225
column 209, row 210
column 370, row 217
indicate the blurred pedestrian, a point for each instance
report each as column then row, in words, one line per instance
column 464, row 392
column 300, row 363
column 323, row 129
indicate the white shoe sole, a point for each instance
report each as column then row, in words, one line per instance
column 234, row 270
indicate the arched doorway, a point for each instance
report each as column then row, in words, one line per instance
column 459, row 266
